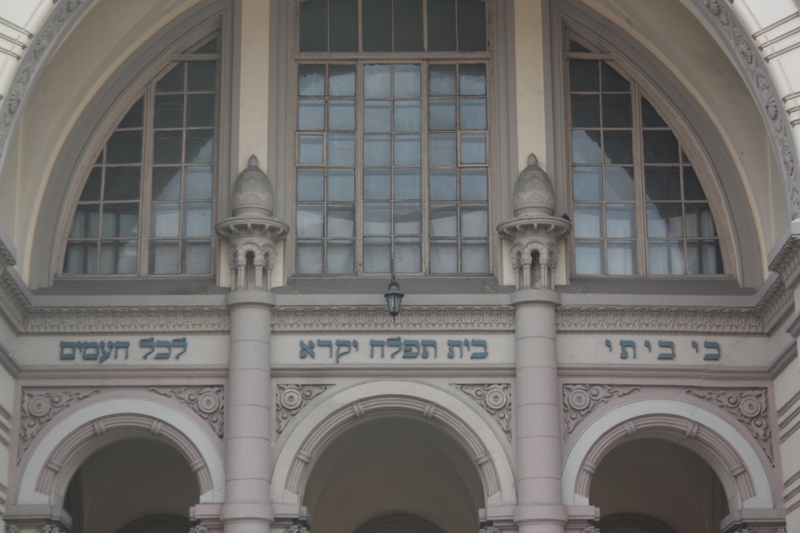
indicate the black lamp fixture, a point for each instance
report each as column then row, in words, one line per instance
column 393, row 295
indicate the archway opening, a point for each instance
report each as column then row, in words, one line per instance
column 394, row 474
column 135, row 485
column 652, row 485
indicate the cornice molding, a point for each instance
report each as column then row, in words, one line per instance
column 484, row 318
column 125, row 320
column 743, row 320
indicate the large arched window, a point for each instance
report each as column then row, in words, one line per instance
column 392, row 137
column 638, row 203
column 147, row 200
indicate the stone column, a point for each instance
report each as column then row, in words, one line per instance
column 534, row 233
column 251, row 234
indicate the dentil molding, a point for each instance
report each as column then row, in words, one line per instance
column 495, row 398
column 291, row 399
column 581, row 399
column 207, row 402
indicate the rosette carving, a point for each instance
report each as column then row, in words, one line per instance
column 580, row 400
column 749, row 406
column 495, row 398
column 207, row 402
column 39, row 406
column 292, row 398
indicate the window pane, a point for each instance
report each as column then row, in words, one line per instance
column 474, row 184
column 584, row 76
column 585, row 111
column 310, row 184
column 589, row 258
column 172, row 81
column 200, row 146
column 650, row 117
column 586, row 146
column 202, row 75
column 124, row 147
column 692, row 190
column 666, row 257
column 310, row 114
column 442, row 150
column 474, row 257
column 314, row 26
column 198, row 183
column 86, row 222
column 342, row 80
column 471, row 25
column 378, row 115
column 443, row 184
column 408, row 115
column 588, row 220
column 120, row 220
column 197, row 257
column 164, row 257
column 408, row 254
column 166, row 183
column 442, row 80
column 662, row 183
column 341, row 185
column 197, row 219
column 118, row 257
column 664, row 220
column 444, row 220
column 407, row 81
column 407, row 183
column 660, row 147
column 699, row 222
column 164, row 220
column 311, row 80
column 377, row 79
column 91, row 190
column 81, row 258
column 620, row 221
column 377, row 184
column 619, row 183
column 613, row 81
column 444, row 257
column 407, row 218
column 474, row 220
column 377, row 218
column 122, row 183
column 309, row 149
column 408, row 25
column 472, row 79
column 473, row 148
column 442, row 114
column 622, row 258
column 341, row 220
column 341, row 257
column 309, row 257
column 441, row 25
column 617, row 111
column 377, row 35
column 377, row 150
column 341, row 149
column 168, row 111
column 342, row 115
column 618, row 147
column 167, row 147
column 377, row 255
column 407, row 150
column 473, row 114
column 309, row 220
column 344, row 25
column 587, row 183
column 134, row 117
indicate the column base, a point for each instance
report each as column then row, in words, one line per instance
column 540, row 514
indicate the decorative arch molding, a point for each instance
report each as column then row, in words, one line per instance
column 68, row 443
column 633, row 523
column 398, row 522
column 738, row 465
column 319, row 426
column 161, row 523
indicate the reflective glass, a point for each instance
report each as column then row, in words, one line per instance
column 172, row 81
column 660, row 147
column 311, row 80
column 617, row 111
column 341, row 220
column 164, row 258
column 120, row 220
column 442, row 114
column 443, row 184
column 309, row 257
column 622, row 258
column 197, row 219
column 441, row 25
column 86, row 222
column 122, row 183
column 408, row 254
column 474, row 256
column 202, row 75
column 377, row 150
column 407, row 218
column 474, row 184
column 620, row 220
column 310, row 114
column 442, row 150
column 408, row 25
column 586, row 146
column 444, row 257
column 310, row 220
column 618, row 147
column 407, row 115
column 342, row 80
column 619, row 183
column 407, row 80
column 340, row 257
column 377, row 254
column 341, row 149
column 472, row 79
column 342, row 115
column 472, row 114
column 407, row 183
column 377, row 81
column 197, row 257
column 589, row 258
column 341, row 185
column 378, row 115
column 584, row 76
column 310, row 149
column 442, row 80
column 124, row 147
column 167, row 147
column 377, row 184
column 588, row 220
column 377, row 218
column 91, row 190
column 444, row 220
column 407, row 150
column 585, row 110
column 587, row 183
column 166, row 183
column 199, row 183
column 164, row 220
column 168, row 111
column 310, row 184
column 473, row 148
column 200, row 146
column 474, row 220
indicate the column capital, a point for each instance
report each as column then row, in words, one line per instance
column 250, row 298
column 535, row 297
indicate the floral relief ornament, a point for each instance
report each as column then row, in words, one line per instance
column 39, row 406
column 581, row 399
column 292, row 398
column 495, row 398
column 207, row 402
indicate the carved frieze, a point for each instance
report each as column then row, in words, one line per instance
column 581, row 399
column 39, row 406
column 661, row 319
column 749, row 406
column 495, row 398
column 292, row 398
column 128, row 319
column 207, row 402
column 488, row 318
column 13, row 302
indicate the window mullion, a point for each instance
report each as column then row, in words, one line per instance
column 359, row 177
column 639, row 181
column 147, row 176
column 425, row 207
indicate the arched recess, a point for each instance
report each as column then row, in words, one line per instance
column 744, row 476
column 60, row 452
column 322, row 424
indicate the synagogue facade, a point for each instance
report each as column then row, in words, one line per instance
column 399, row 266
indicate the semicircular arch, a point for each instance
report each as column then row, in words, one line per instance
column 318, row 427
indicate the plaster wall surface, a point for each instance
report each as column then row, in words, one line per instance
column 6, row 408
column 787, row 396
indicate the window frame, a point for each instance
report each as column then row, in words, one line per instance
column 144, row 88
column 425, row 58
column 641, row 87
